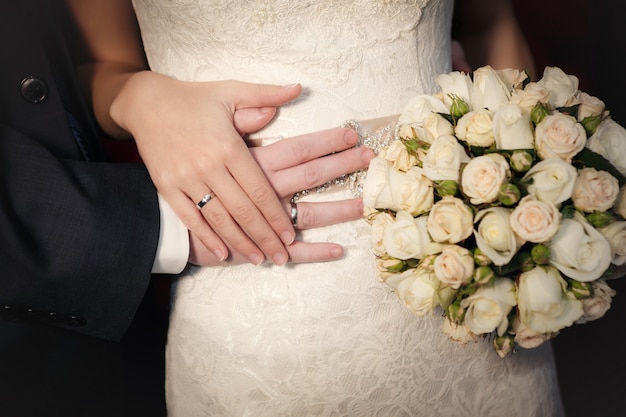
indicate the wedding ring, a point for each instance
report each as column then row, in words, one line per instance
column 204, row 200
column 294, row 214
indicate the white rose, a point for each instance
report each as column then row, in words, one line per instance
column 551, row 180
column 450, row 220
column 594, row 190
column 482, row 177
column 399, row 156
column 408, row 238
column 417, row 288
column 559, row 135
column 455, row 84
column 597, row 306
column 489, row 91
column 419, row 107
column 512, row 128
column 588, row 105
column 579, row 251
column 487, row 309
column 561, row 86
column 527, row 98
column 534, row 220
column 494, row 236
column 476, row 128
column 444, row 158
column 458, row 332
column 609, row 140
column 615, row 233
column 454, row 265
column 543, row 302
column 389, row 188
column 380, row 222
column 528, row 338
column 436, row 125
column 512, row 77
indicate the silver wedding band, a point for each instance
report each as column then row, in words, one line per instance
column 294, row 214
column 204, row 200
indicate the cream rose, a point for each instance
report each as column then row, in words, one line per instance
column 543, row 302
column 389, row 188
column 418, row 289
column 379, row 223
column 450, row 220
column 596, row 307
column 588, row 105
column 534, row 220
column 419, row 107
column 580, row 251
column 458, row 332
column 512, row 128
column 435, row 125
column 562, row 86
column 528, row 338
column 615, row 233
column 399, row 156
column 527, row 98
column 476, row 128
column 620, row 206
column 609, row 140
column 487, row 309
column 407, row 238
column 494, row 236
column 551, row 180
column 444, row 158
column 489, row 91
column 594, row 190
column 454, row 265
column 559, row 135
column 455, row 84
column 482, row 177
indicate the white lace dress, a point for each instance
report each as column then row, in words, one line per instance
column 323, row 339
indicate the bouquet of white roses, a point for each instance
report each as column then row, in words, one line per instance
column 502, row 204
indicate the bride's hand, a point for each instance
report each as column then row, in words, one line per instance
column 190, row 140
column 297, row 164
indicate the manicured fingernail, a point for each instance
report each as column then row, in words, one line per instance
column 220, row 255
column 287, row 238
column 255, row 259
column 294, row 85
column 279, row 259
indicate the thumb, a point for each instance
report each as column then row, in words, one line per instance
column 264, row 95
column 251, row 119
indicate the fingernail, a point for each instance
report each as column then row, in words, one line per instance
column 336, row 252
column 294, row 85
column 367, row 155
column 220, row 255
column 351, row 137
column 255, row 259
column 279, row 259
column 287, row 238
column 266, row 110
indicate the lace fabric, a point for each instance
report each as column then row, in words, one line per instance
column 323, row 339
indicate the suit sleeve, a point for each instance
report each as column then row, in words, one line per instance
column 78, row 239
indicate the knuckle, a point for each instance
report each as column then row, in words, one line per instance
column 218, row 219
column 312, row 175
column 244, row 214
column 299, row 151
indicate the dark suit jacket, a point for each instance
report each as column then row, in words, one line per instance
column 78, row 234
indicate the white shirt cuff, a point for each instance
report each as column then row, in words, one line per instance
column 173, row 247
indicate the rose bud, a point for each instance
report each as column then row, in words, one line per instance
column 538, row 113
column 446, row 187
column 580, row 290
column 540, row 254
column 483, row 275
column 480, row 258
column 503, row 345
column 458, row 107
column 521, row 161
column 509, row 194
column 600, row 219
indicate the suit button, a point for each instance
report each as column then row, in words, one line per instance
column 34, row 90
column 76, row 321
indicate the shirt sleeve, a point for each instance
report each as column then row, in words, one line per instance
column 173, row 246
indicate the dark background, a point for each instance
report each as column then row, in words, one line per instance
column 586, row 39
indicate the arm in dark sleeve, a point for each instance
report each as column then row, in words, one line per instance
column 78, row 239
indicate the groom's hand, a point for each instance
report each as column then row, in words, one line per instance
column 300, row 163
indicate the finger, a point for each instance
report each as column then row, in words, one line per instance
column 253, row 207
column 224, row 224
column 250, row 120
column 312, row 215
column 296, row 150
column 304, row 252
column 246, row 95
column 191, row 217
